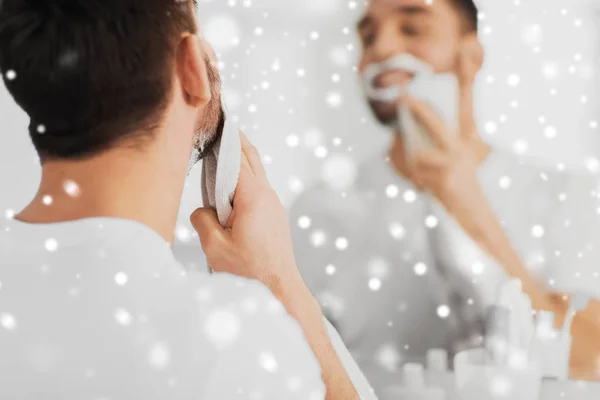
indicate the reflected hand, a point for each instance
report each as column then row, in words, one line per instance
column 449, row 170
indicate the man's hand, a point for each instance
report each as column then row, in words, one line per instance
column 257, row 242
column 449, row 170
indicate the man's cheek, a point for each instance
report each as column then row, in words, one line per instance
column 441, row 58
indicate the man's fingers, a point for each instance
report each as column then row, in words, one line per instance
column 431, row 120
column 431, row 159
column 247, row 180
column 211, row 233
column 253, row 158
column 248, row 184
column 246, row 168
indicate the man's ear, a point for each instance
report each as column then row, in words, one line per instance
column 192, row 71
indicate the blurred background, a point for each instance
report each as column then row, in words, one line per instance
column 289, row 75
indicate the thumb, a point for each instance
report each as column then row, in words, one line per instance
column 206, row 224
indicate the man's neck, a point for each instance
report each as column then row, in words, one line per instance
column 119, row 184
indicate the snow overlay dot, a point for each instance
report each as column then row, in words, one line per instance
column 431, row 221
column 537, row 231
column 321, row 152
column 374, row 284
column 397, row 231
column 504, row 182
column 51, row 245
column 443, row 311
column 318, row 238
column 8, row 321
column 11, row 75
column 123, row 317
column 268, row 362
column 513, row 80
column 550, row 132
column 304, row 222
column 420, row 269
column 159, row 356
column 334, row 99
column 330, row 269
column 183, row 233
column 222, row 327
column 341, row 243
column 477, row 268
column 392, row 191
column 292, row 140
column 121, row 278
column 491, row 128
column 410, row 196
column 71, row 188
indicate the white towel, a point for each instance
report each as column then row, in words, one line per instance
column 221, row 171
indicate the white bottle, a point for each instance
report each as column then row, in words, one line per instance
column 550, row 347
column 497, row 334
column 414, row 388
column 438, row 374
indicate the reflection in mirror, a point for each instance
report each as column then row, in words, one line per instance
column 483, row 202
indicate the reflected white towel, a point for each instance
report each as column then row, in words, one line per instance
column 441, row 92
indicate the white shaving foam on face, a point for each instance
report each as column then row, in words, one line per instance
column 404, row 62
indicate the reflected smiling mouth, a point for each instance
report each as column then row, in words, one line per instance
column 395, row 77
column 385, row 81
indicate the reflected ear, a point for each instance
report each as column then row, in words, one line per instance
column 472, row 51
column 191, row 68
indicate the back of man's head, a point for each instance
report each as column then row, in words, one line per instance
column 90, row 73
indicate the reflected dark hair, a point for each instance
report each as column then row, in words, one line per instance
column 469, row 11
column 90, row 73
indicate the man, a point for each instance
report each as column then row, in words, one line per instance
column 409, row 257
column 92, row 302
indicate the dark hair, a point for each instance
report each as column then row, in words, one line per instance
column 469, row 11
column 90, row 73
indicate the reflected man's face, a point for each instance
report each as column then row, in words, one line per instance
column 432, row 33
